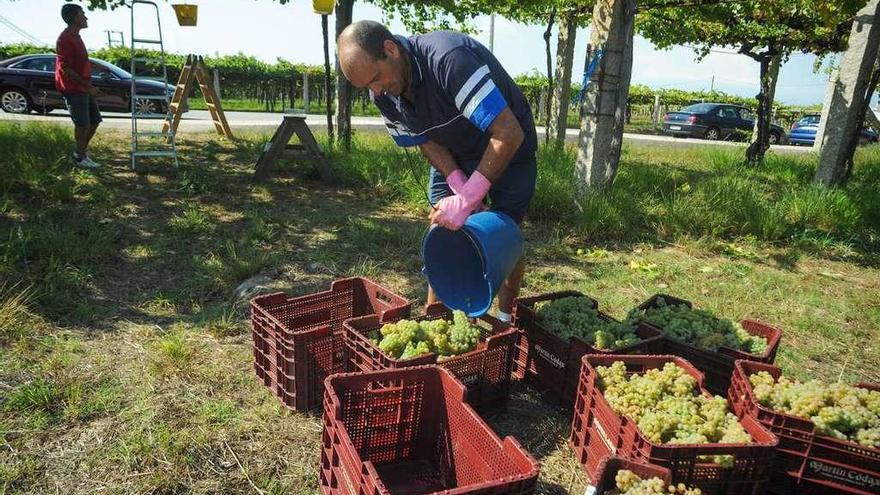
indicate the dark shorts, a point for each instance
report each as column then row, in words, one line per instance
column 83, row 109
column 510, row 194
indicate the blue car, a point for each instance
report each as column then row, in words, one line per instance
column 803, row 132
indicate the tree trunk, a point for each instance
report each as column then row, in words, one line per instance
column 866, row 109
column 844, row 100
column 562, row 90
column 327, row 100
column 549, row 72
column 604, row 111
column 344, row 89
column 760, row 141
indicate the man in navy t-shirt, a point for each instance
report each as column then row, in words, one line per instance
column 447, row 94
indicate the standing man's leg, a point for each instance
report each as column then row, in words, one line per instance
column 81, row 113
column 82, row 134
column 91, row 134
column 94, row 120
column 510, row 289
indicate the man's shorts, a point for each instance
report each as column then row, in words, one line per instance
column 511, row 193
column 83, row 109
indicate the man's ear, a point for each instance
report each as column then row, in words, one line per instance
column 391, row 49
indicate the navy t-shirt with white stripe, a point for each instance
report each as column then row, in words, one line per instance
column 459, row 88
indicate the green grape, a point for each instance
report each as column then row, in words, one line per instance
column 699, row 327
column 406, row 339
column 629, row 483
column 574, row 316
column 668, row 407
column 837, row 410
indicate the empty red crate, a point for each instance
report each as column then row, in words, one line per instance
column 807, row 461
column 599, row 431
column 554, row 363
column 486, row 371
column 410, row 432
column 298, row 340
column 605, row 483
column 718, row 365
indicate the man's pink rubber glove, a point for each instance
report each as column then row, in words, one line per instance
column 451, row 212
column 456, row 180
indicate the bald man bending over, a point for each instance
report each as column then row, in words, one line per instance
column 447, row 94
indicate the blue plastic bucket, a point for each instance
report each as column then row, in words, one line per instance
column 466, row 267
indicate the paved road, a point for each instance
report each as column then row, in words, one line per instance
column 200, row 121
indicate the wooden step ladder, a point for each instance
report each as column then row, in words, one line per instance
column 195, row 67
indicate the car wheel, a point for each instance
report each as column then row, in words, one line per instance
column 712, row 134
column 142, row 105
column 15, row 101
column 774, row 138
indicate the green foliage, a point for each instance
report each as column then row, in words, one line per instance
column 533, row 84
column 788, row 26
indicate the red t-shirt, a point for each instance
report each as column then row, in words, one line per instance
column 71, row 51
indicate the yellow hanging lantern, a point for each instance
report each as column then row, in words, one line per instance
column 323, row 7
column 186, row 14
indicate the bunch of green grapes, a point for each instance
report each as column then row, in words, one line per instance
column 629, row 483
column 837, row 409
column 575, row 317
column 406, row 339
column 699, row 327
column 668, row 408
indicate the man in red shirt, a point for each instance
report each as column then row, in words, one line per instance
column 73, row 78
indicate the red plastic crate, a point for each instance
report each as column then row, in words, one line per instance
column 605, row 483
column 410, row 431
column 486, row 371
column 521, row 356
column 718, row 366
column 807, row 462
column 598, row 431
column 554, row 363
column 298, row 340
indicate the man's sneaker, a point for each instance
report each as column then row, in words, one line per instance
column 85, row 162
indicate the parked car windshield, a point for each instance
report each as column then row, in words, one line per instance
column 699, row 108
column 121, row 74
column 809, row 120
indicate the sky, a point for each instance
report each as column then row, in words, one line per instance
column 268, row 30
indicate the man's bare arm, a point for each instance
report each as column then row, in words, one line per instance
column 73, row 75
column 506, row 137
column 439, row 157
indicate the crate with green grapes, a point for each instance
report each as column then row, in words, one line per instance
column 829, row 433
column 654, row 409
column 560, row 327
column 478, row 351
column 709, row 342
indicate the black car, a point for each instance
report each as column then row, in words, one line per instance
column 27, row 83
column 715, row 121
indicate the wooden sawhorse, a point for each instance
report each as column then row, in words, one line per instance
column 292, row 124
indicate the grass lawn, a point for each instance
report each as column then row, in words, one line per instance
column 125, row 359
